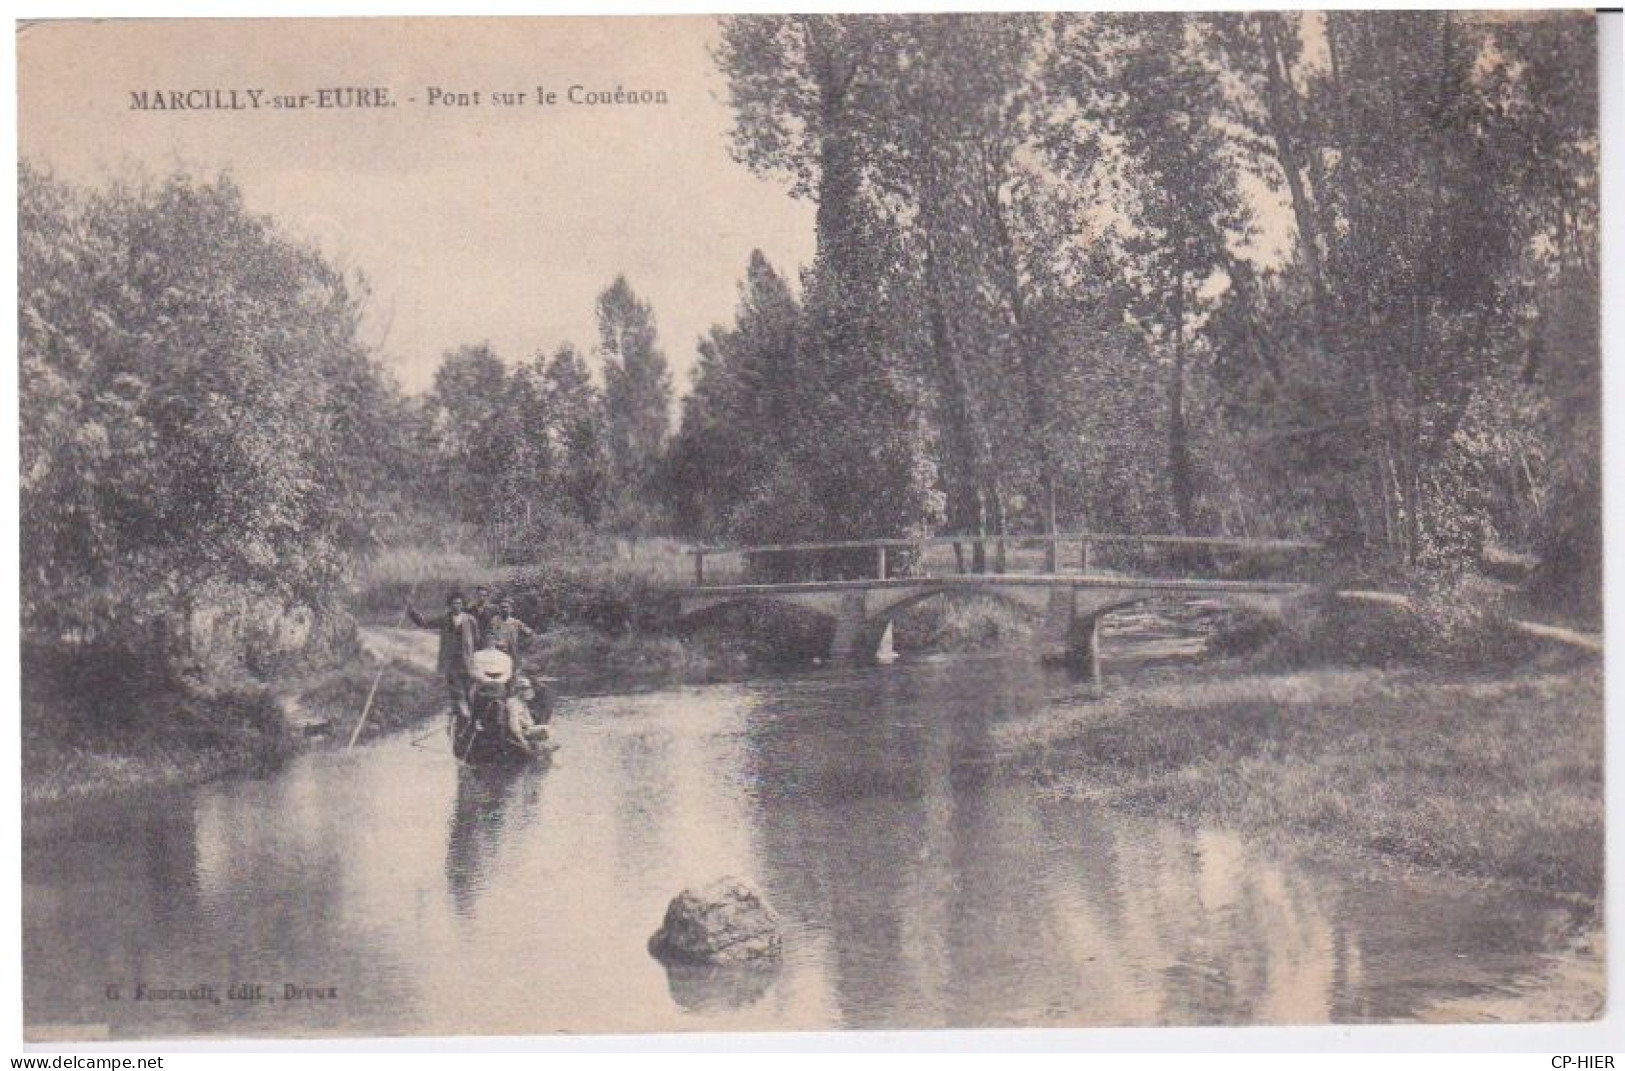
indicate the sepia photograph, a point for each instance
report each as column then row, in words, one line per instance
column 644, row 525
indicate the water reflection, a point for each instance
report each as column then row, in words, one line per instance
column 494, row 803
column 920, row 885
column 125, row 863
column 720, row 988
column 952, row 895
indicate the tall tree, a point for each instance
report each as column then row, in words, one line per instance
column 1150, row 85
column 947, row 153
column 1548, row 93
column 1403, row 185
column 806, row 92
column 528, row 508
column 576, row 424
column 743, row 398
column 468, row 415
column 637, row 394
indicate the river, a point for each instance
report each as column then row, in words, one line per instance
column 922, row 884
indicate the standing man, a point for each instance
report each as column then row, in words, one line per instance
column 506, row 632
column 481, row 609
column 459, row 636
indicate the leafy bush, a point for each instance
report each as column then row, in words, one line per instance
column 611, row 601
column 1444, row 623
column 1245, row 631
column 202, row 431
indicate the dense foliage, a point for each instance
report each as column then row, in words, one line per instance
column 199, row 419
column 1260, row 274
column 539, row 453
column 1325, row 274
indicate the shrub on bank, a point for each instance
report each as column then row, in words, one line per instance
column 203, row 439
column 1450, row 624
column 1246, row 631
column 583, row 656
column 613, row 601
column 88, row 732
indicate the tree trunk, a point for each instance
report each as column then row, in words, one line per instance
column 1179, row 456
column 1281, row 116
column 1031, row 352
column 968, row 428
column 960, row 476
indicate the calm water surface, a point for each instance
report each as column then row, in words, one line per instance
column 921, row 885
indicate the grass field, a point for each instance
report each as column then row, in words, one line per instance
column 1484, row 776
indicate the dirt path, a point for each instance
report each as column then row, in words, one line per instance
column 1585, row 641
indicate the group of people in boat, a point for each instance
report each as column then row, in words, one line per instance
column 485, row 622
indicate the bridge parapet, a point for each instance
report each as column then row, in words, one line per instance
column 886, row 551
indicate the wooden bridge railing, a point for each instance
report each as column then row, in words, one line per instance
column 1051, row 543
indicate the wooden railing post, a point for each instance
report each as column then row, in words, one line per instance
column 1083, row 557
column 881, row 575
column 1051, row 549
column 699, row 568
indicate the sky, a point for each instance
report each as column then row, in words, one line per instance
column 471, row 223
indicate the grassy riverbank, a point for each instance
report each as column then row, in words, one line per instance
column 96, row 729
column 1483, row 775
column 72, row 751
column 79, row 744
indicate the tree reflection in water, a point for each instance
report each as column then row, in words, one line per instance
column 494, row 804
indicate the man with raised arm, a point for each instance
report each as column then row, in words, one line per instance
column 459, row 637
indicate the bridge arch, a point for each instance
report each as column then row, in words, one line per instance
column 826, row 604
column 764, row 631
column 713, row 610
column 884, row 605
column 1071, row 607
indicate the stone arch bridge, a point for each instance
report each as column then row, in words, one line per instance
column 1072, row 604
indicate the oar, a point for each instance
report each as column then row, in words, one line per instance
column 419, row 741
column 376, row 677
column 365, row 709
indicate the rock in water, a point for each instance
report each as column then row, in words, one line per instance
column 728, row 921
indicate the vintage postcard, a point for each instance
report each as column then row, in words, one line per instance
column 809, row 522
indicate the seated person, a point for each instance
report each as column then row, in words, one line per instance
column 521, row 725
